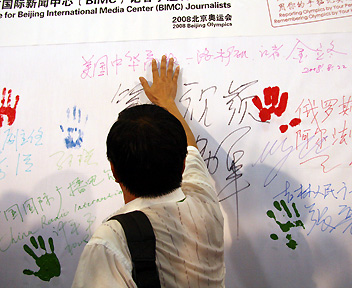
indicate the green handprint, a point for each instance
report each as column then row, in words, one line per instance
column 48, row 263
column 285, row 227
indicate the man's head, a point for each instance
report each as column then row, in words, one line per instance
column 147, row 147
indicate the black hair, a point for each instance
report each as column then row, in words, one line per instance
column 147, row 146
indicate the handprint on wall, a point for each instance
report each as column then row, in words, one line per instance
column 7, row 110
column 48, row 263
column 74, row 136
column 274, row 105
column 285, row 226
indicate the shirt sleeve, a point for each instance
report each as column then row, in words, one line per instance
column 105, row 261
column 196, row 180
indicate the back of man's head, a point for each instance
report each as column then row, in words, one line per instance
column 147, row 147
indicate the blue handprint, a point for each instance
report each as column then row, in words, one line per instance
column 74, row 136
column 48, row 263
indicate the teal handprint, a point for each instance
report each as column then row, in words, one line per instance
column 285, row 227
column 48, row 263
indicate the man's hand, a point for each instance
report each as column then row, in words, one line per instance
column 164, row 87
column 163, row 92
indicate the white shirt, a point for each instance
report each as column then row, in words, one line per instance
column 188, row 226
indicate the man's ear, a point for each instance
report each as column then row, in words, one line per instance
column 184, row 165
column 114, row 173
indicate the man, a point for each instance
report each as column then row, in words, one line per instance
column 147, row 148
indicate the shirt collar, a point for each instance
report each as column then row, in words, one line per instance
column 141, row 203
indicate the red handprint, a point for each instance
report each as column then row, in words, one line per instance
column 274, row 105
column 8, row 111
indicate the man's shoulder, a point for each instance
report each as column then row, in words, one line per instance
column 197, row 180
column 194, row 161
column 109, row 234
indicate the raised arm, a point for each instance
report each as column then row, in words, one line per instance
column 163, row 92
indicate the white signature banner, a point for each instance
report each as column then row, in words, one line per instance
column 32, row 22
